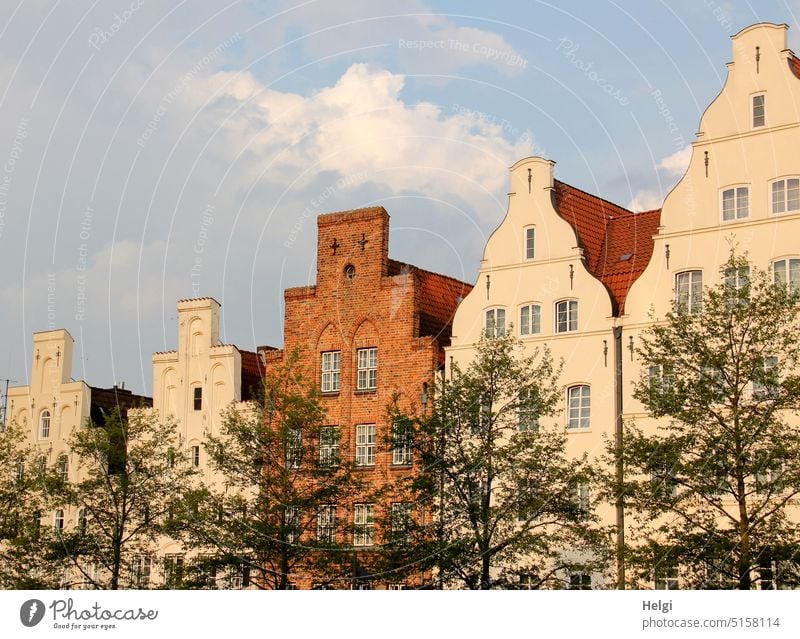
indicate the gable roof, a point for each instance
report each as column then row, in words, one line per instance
column 617, row 243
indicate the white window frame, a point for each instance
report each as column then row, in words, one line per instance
column 583, row 498
column 291, row 519
column 788, row 280
column 689, row 285
column 62, row 468
column 527, row 419
column 44, row 424
column 331, row 363
column 363, row 524
column 762, row 391
column 141, row 571
column 365, row 444
column 326, row 523
column 579, row 407
column 494, row 321
column 784, row 192
column 329, row 446
column 401, row 517
column 401, row 443
column 529, row 243
column 740, row 193
column 530, row 319
column 763, row 106
column 294, row 448
column 580, row 581
column 58, row 520
column 367, row 368
column 665, row 577
column 569, row 313
column 195, row 455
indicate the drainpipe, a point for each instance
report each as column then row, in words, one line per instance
column 620, row 505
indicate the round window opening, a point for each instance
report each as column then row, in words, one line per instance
column 350, row 272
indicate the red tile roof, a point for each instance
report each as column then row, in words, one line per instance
column 794, row 65
column 439, row 296
column 607, row 232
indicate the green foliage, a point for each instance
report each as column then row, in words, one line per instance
column 502, row 496
column 712, row 487
column 131, row 485
column 263, row 520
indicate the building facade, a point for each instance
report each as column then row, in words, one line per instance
column 581, row 275
column 372, row 332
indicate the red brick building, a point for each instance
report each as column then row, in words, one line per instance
column 372, row 329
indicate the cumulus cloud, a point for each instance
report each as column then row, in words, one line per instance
column 675, row 165
column 645, row 201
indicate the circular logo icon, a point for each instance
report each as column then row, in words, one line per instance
column 31, row 612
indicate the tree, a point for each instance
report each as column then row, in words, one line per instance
column 713, row 487
column 134, row 478
column 280, row 510
column 507, row 505
column 24, row 560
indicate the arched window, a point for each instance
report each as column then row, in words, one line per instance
column 566, row 316
column 495, row 322
column 44, row 424
column 579, row 405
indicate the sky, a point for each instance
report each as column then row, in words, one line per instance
column 155, row 151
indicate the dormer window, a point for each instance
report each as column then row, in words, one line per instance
column 759, row 110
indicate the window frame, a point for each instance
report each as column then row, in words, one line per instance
column 762, row 106
column 527, row 419
column 363, row 525
column 293, row 448
column 570, row 316
column 329, row 446
column 58, row 520
column 197, row 398
column 786, row 190
column 365, row 445
column 532, row 321
column 45, row 418
column 326, row 523
column 194, row 455
column 62, row 467
column 787, row 272
column 330, row 372
column 529, row 243
column 694, row 304
column 580, row 581
column 498, row 329
column 367, row 370
column 735, row 190
column 579, row 418
column 400, row 518
column 402, row 443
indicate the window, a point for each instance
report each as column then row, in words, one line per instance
column 331, row 365
column 63, row 468
column 787, row 272
column 294, row 448
column 530, row 235
column 528, row 581
column 367, row 369
column 141, row 568
column 195, row 456
column 329, row 446
column 530, row 319
column 398, row 587
column 735, row 279
column 495, row 325
column 735, row 203
column 365, row 445
column 44, row 424
column 786, row 195
column 581, row 495
column 81, row 521
column 689, row 292
column 662, row 481
column 580, row 581
column 363, row 524
column 170, row 458
column 401, row 519
column 578, row 407
column 660, row 378
column 58, row 520
column 41, row 464
column 712, row 382
column 527, row 419
column 19, row 472
column 769, row 478
column 666, row 577
column 759, row 110
column 173, row 570
column 292, row 523
column 401, row 443
column 766, row 384
column 326, row 523
column 566, row 316
column 198, row 398
column 484, row 418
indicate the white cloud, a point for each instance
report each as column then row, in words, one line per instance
column 360, row 125
column 645, row 201
column 675, row 165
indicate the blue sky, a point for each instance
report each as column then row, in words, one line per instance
column 156, row 151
